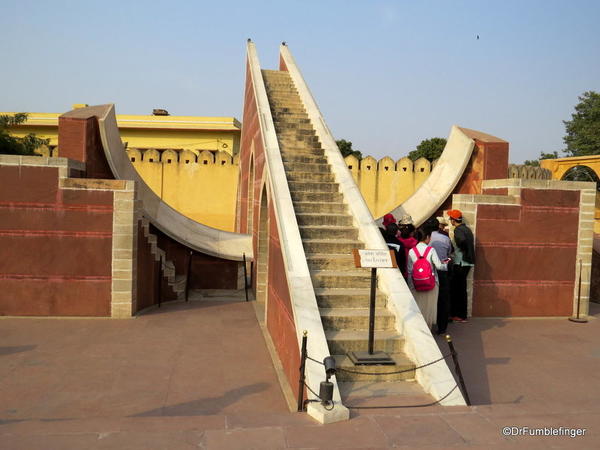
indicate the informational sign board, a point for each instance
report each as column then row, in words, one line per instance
column 374, row 258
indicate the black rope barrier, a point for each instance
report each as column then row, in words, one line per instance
column 315, row 360
column 304, row 357
column 356, row 372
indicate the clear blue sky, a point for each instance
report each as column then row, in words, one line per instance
column 386, row 74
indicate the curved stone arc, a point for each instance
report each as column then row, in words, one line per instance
column 302, row 293
column 442, row 180
column 198, row 237
column 420, row 346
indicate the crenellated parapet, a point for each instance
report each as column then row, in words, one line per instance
column 200, row 184
column 387, row 183
column 182, row 157
column 526, row 172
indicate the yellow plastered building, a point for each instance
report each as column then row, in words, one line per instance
column 140, row 131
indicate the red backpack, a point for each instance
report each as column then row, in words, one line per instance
column 422, row 272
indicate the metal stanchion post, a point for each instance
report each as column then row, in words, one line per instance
column 457, row 367
column 371, row 357
column 187, row 275
column 372, row 309
column 303, row 355
column 245, row 278
column 159, row 283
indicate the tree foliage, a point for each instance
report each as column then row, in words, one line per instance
column 347, row 150
column 583, row 130
column 429, row 148
column 536, row 162
column 11, row 145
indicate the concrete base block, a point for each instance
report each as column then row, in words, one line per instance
column 324, row 416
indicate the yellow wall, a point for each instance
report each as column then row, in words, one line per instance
column 385, row 184
column 559, row 167
column 203, row 192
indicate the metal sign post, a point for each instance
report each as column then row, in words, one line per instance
column 373, row 259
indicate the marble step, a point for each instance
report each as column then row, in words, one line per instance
column 327, row 246
column 354, row 278
column 384, row 393
column 292, row 166
column 323, row 219
column 356, row 319
column 313, row 186
column 319, row 177
column 380, row 373
column 303, row 158
column 328, row 232
column 344, row 341
column 320, row 207
column 349, row 298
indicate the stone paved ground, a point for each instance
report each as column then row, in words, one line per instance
column 198, row 375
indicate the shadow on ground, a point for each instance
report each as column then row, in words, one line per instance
column 206, row 406
column 16, row 349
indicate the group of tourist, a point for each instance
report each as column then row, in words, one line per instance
column 435, row 260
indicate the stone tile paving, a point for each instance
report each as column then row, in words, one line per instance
column 198, row 375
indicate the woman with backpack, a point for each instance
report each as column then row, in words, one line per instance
column 422, row 266
column 406, row 238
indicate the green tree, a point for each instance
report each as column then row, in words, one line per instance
column 347, row 150
column 10, row 145
column 536, row 162
column 583, row 130
column 429, row 148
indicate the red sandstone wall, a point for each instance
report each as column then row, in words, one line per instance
column 79, row 139
column 209, row 272
column 282, row 64
column 525, row 261
column 280, row 321
column 56, row 245
column 251, row 147
column 489, row 161
column 280, row 316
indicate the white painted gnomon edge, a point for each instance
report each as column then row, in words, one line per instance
column 442, row 180
column 420, row 346
column 199, row 237
column 304, row 303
